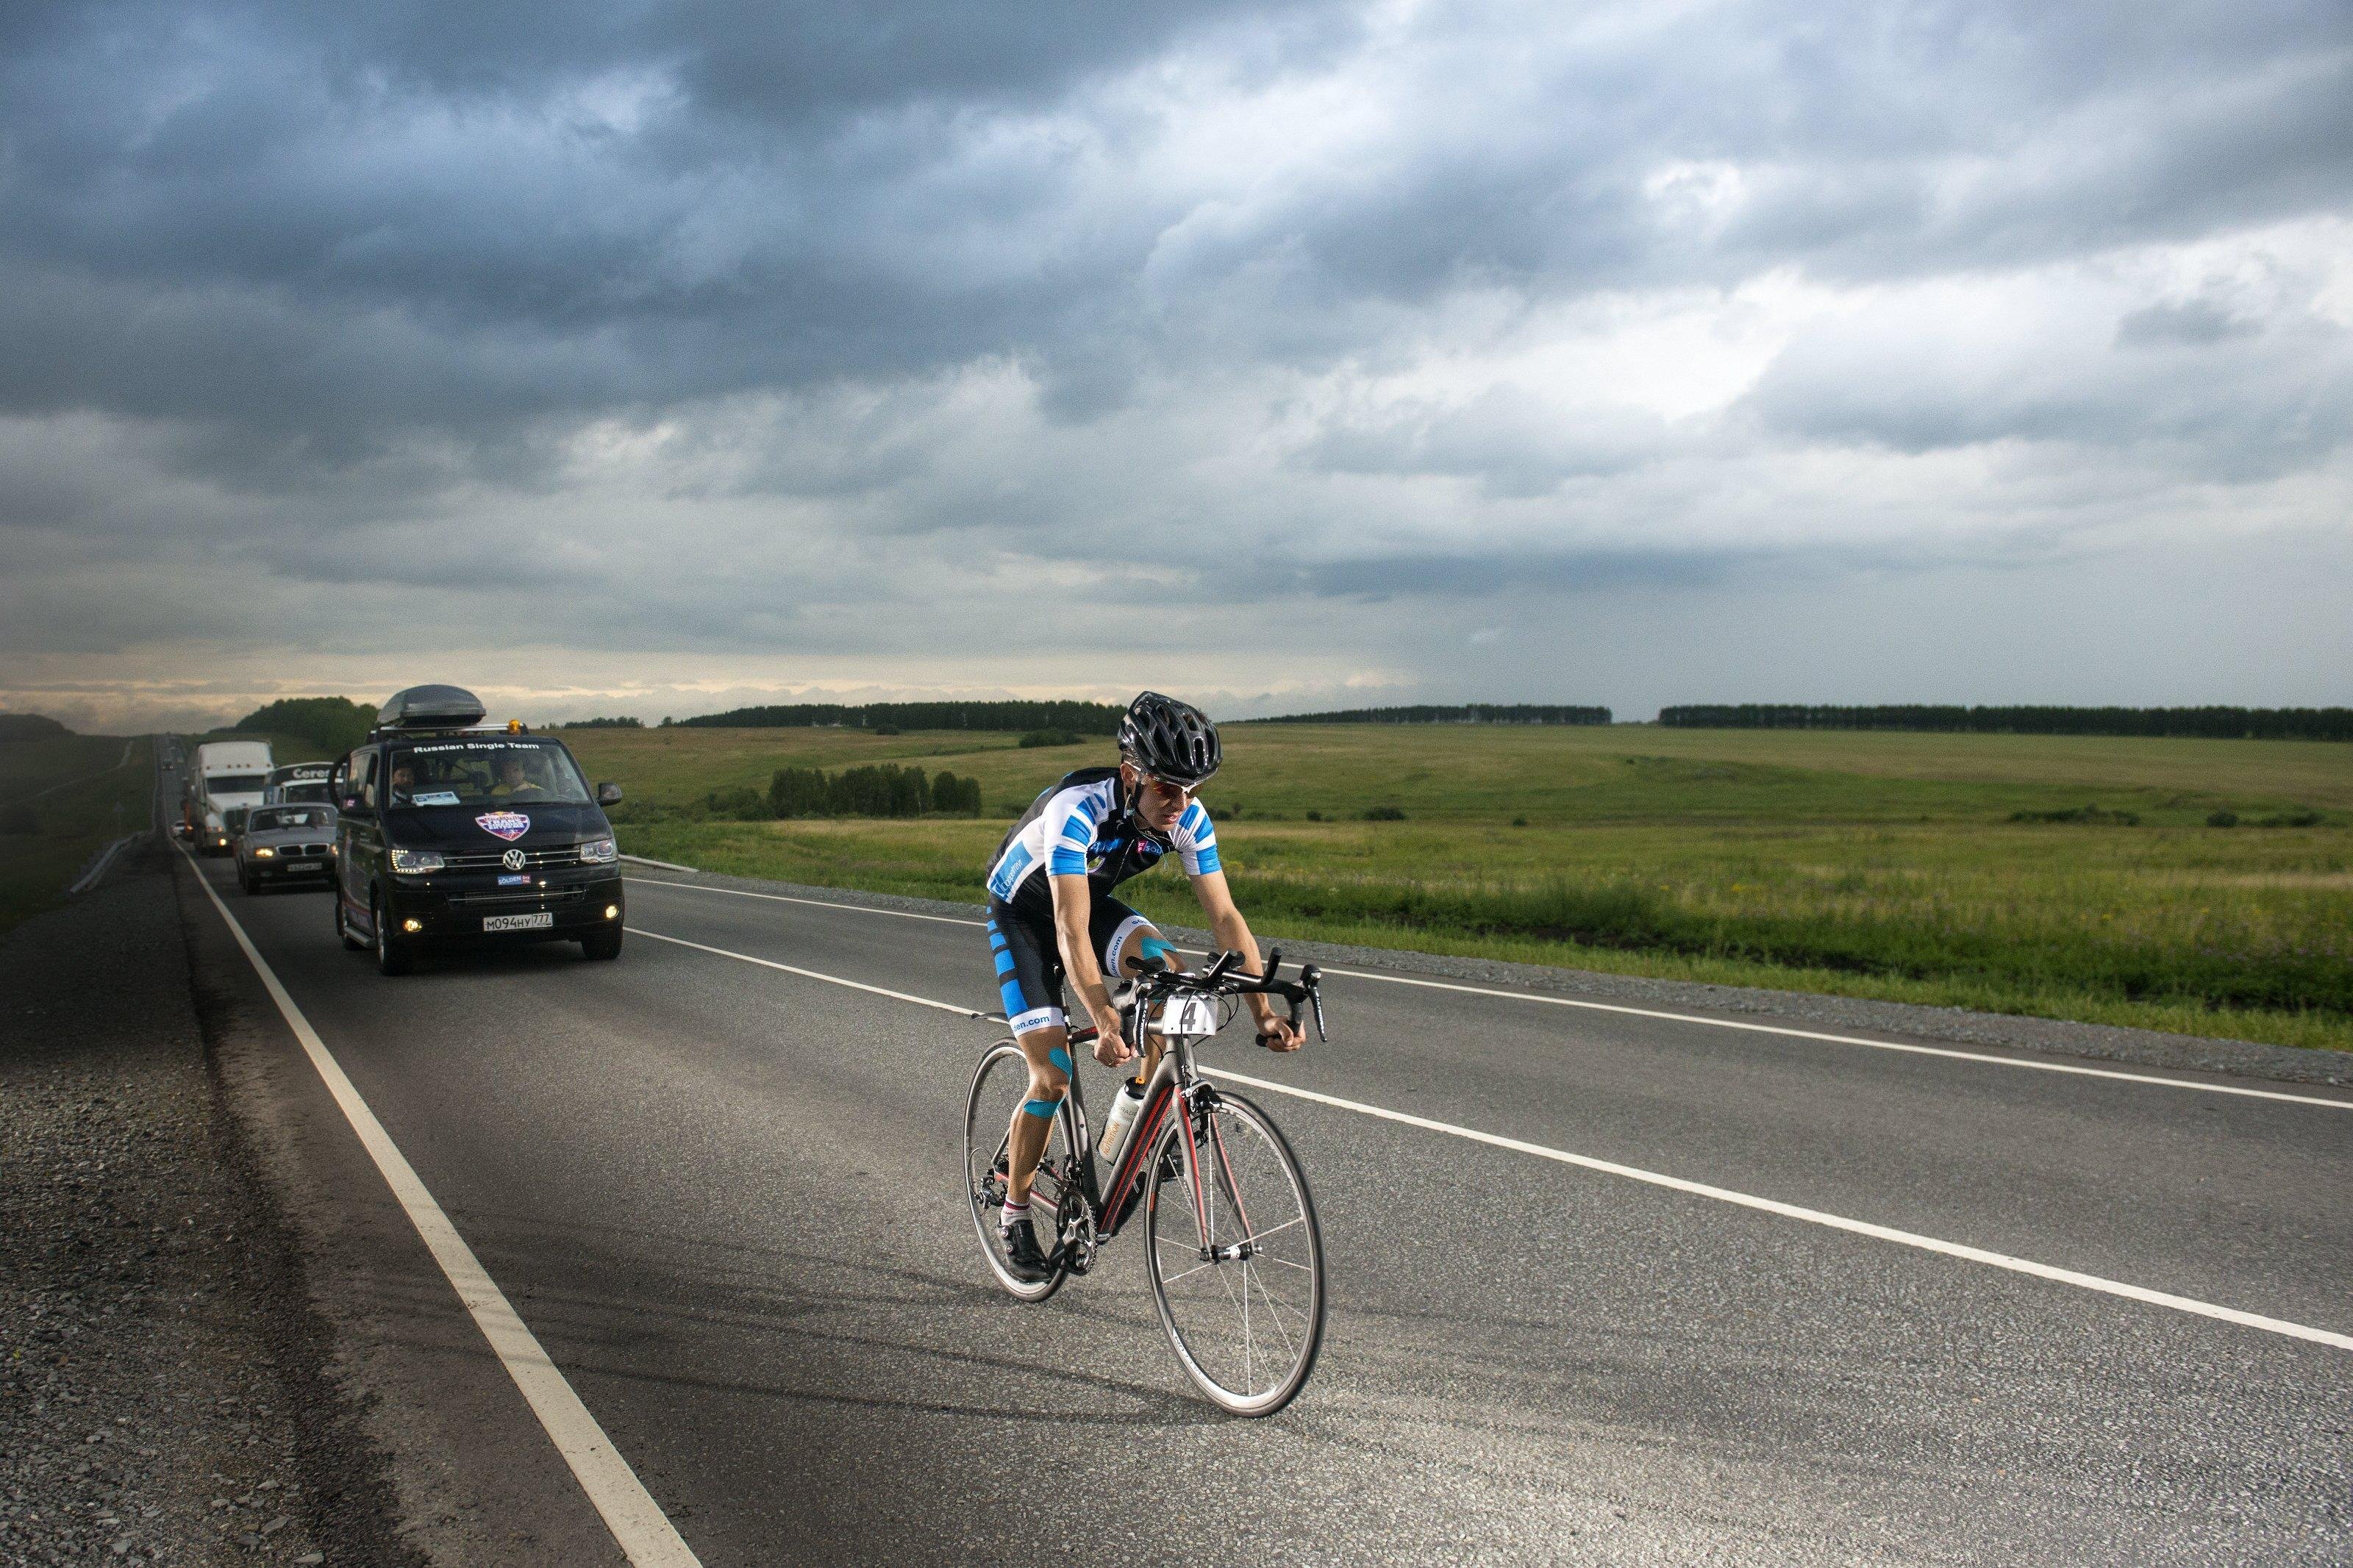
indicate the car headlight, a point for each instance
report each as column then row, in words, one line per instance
column 413, row 862
column 599, row 851
column 265, row 852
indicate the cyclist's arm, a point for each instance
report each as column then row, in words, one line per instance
column 1073, row 906
column 1233, row 934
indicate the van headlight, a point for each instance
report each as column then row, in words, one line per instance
column 599, row 851
column 416, row 862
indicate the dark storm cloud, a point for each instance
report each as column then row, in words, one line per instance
column 759, row 325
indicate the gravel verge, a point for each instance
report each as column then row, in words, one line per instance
column 163, row 1396
column 1955, row 1026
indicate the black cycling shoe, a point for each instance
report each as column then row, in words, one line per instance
column 1022, row 1258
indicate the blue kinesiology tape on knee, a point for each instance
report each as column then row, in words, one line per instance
column 1043, row 1110
column 1156, row 947
column 1060, row 1058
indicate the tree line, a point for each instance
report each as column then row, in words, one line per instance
column 2218, row 723
column 1085, row 718
column 30, row 727
column 1456, row 713
column 887, row 790
column 330, row 724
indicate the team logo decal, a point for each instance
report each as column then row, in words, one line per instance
column 507, row 824
column 512, row 859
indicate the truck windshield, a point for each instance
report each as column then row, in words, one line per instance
column 233, row 783
column 487, row 772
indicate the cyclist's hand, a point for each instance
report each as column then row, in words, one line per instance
column 1112, row 1048
column 1280, row 1035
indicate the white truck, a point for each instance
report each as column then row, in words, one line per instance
column 229, row 778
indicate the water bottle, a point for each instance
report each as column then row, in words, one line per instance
column 1127, row 1106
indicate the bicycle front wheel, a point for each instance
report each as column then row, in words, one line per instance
column 1235, row 1255
column 1000, row 1085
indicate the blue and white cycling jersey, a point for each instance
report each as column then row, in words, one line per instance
column 1084, row 827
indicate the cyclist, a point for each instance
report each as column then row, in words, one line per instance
column 1052, row 917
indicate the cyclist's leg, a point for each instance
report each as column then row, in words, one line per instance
column 1049, row 1053
column 1029, row 975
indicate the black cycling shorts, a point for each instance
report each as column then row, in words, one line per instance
column 1029, row 960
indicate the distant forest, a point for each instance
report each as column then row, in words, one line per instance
column 1085, row 718
column 2220, row 723
column 330, row 724
column 1458, row 713
column 30, row 727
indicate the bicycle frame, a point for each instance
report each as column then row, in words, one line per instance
column 1176, row 1080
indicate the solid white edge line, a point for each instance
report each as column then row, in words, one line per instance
column 639, row 1525
column 1817, row 1216
column 1674, row 1184
column 806, row 973
column 2116, row 1073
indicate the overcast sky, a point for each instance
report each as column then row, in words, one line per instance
column 653, row 358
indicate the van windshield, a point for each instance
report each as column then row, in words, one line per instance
column 488, row 772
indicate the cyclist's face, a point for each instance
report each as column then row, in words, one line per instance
column 1160, row 805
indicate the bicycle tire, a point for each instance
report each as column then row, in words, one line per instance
column 986, row 1113
column 1209, row 1365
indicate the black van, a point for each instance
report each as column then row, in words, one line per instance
column 453, row 835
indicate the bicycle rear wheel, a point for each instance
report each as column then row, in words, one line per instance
column 1235, row 1255
column 1001, row 1084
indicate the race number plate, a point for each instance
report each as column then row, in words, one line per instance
column 1187, row 1016
column 540, row 921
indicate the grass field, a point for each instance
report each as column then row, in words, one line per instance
column 1889, row 866
column 61, row 801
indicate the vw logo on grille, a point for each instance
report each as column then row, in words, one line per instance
column 512, row 859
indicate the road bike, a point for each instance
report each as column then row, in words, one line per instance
column 1232, row 1245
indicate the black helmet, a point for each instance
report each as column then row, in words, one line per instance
column 1172, row 741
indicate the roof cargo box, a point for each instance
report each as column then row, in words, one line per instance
column 430, row 708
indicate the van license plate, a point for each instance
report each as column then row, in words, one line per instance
column 540, row 921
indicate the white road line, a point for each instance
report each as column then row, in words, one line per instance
column 785, row 899
column 2116, row 1073
column 1677, row 1183
column 1817, row 1216
column 644, row 1532
column 806, row 973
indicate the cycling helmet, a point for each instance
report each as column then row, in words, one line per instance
column 1172, row 741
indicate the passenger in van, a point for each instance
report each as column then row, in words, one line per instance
column 515, row 779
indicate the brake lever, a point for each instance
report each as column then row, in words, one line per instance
column 1311, row 980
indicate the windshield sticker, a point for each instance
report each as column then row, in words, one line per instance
column 507, row 824
column 437, row 798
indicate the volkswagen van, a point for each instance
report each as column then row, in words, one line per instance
column 452, row 834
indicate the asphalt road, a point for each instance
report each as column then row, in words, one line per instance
column 724, row 1197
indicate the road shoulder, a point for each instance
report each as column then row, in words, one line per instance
column 165, row 1385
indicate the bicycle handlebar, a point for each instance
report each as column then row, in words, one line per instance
column 1154, row 978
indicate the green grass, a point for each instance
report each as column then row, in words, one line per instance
column 1860, row 864
column 60, row 802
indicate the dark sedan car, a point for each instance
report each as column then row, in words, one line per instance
column 286, row 844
